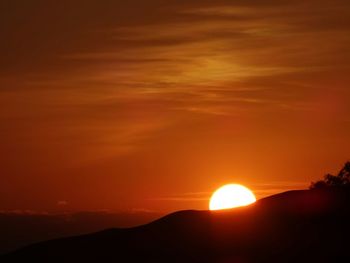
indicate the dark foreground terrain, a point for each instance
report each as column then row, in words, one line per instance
column 19, row 229
column 296, row 226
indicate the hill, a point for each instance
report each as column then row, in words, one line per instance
column 295, row 226
column 21, row 228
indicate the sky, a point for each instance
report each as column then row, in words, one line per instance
column 152, row 105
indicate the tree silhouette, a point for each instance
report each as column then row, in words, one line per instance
column 342, row 179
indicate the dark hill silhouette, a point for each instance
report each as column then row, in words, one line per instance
column 19, row 229
column 296, row 226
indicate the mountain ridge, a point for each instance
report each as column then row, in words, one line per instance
column 299, row 225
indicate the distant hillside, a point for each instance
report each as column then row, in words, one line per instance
column 296, row 226
column 19, row 229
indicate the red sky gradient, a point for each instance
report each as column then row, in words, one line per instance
column 152, row 105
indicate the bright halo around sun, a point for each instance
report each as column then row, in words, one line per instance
column 230, row 196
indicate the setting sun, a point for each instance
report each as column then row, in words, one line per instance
column 230, row 196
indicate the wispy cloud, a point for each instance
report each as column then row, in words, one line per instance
column 170, row 89
column 260, row 190
column 185, row 197
column 274, row 187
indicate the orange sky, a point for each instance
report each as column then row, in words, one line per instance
column 152, row 105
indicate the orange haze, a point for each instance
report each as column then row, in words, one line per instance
column 152, row 105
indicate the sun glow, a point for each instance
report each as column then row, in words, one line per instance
column 230, row 196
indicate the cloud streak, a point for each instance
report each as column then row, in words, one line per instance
column 103, row 95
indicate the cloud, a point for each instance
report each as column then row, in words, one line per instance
column 186, row 197
column 260, row 190
column 227, row 45
column 87, row 84
column 62, row 203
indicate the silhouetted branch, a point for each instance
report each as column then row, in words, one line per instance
column 342, row 179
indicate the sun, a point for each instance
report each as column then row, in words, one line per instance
column 230, row 196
